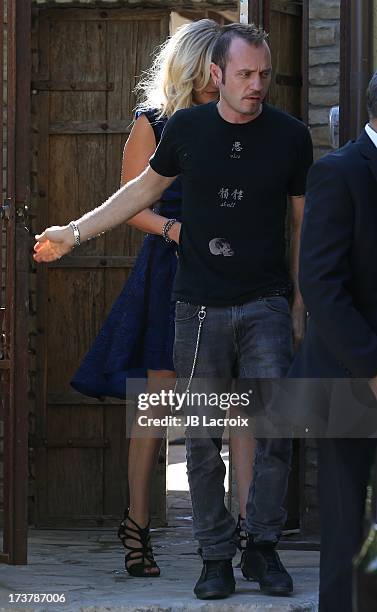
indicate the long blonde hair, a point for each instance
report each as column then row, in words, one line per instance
column 180, row 68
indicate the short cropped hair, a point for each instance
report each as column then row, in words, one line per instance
column 248, row 32
column 372, row 97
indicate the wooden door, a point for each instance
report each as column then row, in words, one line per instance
column 283, row 22
column 87, row 63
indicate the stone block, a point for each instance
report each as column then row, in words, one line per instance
column 319, row 116
column 321, row 151
column 324, row 96
column 324, row 9
column 322, row 36
column 324, row 55
column 324, row 74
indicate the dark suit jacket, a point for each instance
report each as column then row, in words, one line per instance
column 338, row 265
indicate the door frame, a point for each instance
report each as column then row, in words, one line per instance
column 258, row 13
column 14, row 314
column 356, row 65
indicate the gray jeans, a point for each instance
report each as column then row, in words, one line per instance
column 250, row 341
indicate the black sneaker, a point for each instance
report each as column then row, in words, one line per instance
column 262, row 564
column 216, row 580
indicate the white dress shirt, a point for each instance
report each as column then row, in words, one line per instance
column 372, row 134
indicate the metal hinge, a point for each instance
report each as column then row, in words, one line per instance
column 22, row 211
column 3, row 337
column 5, row 210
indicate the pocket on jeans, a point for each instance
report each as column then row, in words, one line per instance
column 184, row 311
column 277, row 303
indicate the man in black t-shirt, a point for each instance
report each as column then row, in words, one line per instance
column 236, row 179
column 240, row 160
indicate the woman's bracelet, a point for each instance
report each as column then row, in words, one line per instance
column 165, row 230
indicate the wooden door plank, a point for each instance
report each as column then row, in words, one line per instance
column 73, row 398
column 74, row 474
column 50, row 85
column 43, row 67
column 115, row 498
column 101, row 126
column 103, row 15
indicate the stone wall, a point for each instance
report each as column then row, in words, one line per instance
column 324, row 64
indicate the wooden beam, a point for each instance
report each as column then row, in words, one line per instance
column 255, row 12
column 101, row 126
column 221, row 17
column 142, row 10
column 93, row 261
column 71, row 86
column 355, row 66
column 286, row 6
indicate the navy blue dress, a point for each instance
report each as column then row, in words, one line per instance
column 138, row 333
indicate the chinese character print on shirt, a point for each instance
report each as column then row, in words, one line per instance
column 236, row 149
column 229, row 197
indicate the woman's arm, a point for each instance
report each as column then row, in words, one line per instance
column 138, row 149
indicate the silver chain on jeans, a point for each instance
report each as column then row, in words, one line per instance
column 201, row 316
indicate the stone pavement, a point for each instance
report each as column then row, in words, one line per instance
column 87, row 566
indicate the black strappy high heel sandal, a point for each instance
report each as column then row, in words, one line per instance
column 143, row 552
column 240, row 534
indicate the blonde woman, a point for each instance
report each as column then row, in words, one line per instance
column 137, row 338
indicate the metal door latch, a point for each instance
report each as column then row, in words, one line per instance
column 22, row 211
column 5, row 210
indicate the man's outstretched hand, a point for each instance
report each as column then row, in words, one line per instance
column 53, row 243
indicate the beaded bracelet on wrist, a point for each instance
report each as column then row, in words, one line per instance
column 165, row 230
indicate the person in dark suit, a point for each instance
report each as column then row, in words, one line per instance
column 338, row 281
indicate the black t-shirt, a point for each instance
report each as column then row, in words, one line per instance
column 236, row 179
